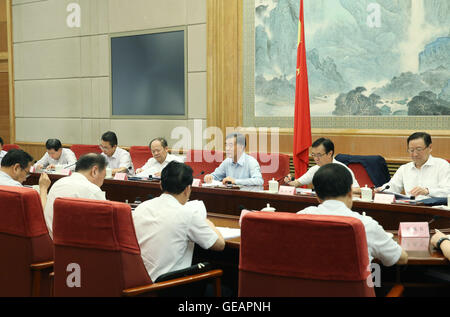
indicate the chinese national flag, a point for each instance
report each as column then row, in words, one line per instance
column 302, row 119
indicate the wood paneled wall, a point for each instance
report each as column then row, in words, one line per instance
column 5, row 83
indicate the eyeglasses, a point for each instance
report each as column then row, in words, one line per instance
column 318, row 155
column 418, row 150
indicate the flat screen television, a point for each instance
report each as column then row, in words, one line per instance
column 148, row 75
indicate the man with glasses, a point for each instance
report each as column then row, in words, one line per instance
column 15, row 169
column 322, row 151
column 119, row 160
column 425, row 175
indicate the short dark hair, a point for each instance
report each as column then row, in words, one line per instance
column 420, row 135
column 15, row 156
column 1, row 141
column 54, row 144
column 331, row 181
column 175, row 177
column 327, row 144
column 240, row 138
column 161, row 140
column 88, row 161
column 110, row 137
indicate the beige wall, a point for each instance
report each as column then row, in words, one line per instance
column 62, row 75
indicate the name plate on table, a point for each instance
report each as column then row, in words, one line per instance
column 196, row 182
column 121, row 176
column 414, row 230
column 65, row 172
column 287, row 190
column 384, row 198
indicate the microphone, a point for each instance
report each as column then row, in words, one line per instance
column 387, row 187
column 70, row 165
column 199, row 174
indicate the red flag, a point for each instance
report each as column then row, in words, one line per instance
column 302, row 119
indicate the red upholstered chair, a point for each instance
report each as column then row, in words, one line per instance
column 81, row 149
column 203, row 161
column 7, row 147
column 140, row 155
column 361, row 174
column 26, row 249
column 285, row 254
column 96, row 241
column 273, row 165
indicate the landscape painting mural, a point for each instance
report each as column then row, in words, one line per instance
column 365, row 58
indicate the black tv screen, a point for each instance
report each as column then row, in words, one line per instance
column 148, row 74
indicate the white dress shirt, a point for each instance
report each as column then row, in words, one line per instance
column 74, row 186
column 380, row 244
column 307, row 178
column 67, row 159
column 120, row 158
column 7, row 180
column 153, row 166
column 2, row 154
column 433, row 175
column 166, row 232
column 246, row 171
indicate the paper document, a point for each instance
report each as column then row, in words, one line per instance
column 214, row 183
column 229, row 233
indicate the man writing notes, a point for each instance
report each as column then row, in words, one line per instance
column 168, row 226
column 90, row 172
column 56, row 155
column 332, row 183
column 118, row 160
column 322, row 151
column 15, row 168
column 238, row 168
column 425, row 175
column 160, row 159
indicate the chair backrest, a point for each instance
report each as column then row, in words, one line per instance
column 96, row 250
column 203, row 161
column 7, row 147
column 273, row 165
column 285, row 254
column 24, row 240
column 374, row 165
column 140, row 155
column 361, row 174
column 81, row 149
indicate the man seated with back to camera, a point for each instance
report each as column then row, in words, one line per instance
column 90, row 172
column 15, row 169
column 322, row 151
column 238, row 168
column 425, row 175
column 333, row 185
column 161, row 157
column 56, row 155
column 168, row 226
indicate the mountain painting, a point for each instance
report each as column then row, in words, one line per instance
column 364, row 58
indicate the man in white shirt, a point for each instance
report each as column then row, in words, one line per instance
column 15, row 169
column 425, row 175
column 332, row 183
column 322, row 151
column 168, row 226
column 118, row 160
column 160, row 159
column 2, row 153
column 56, row 155
column 238, row 168
column 90, row 172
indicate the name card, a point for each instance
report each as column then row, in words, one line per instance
column 384, row 198
column 65, row 172
column 414, row 230
column 32, row 169
column 196, row 182
column 243, row 213
column 415, row 244
column 287, row 190
column 121, row 176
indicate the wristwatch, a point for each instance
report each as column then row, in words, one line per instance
column 438, row 244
